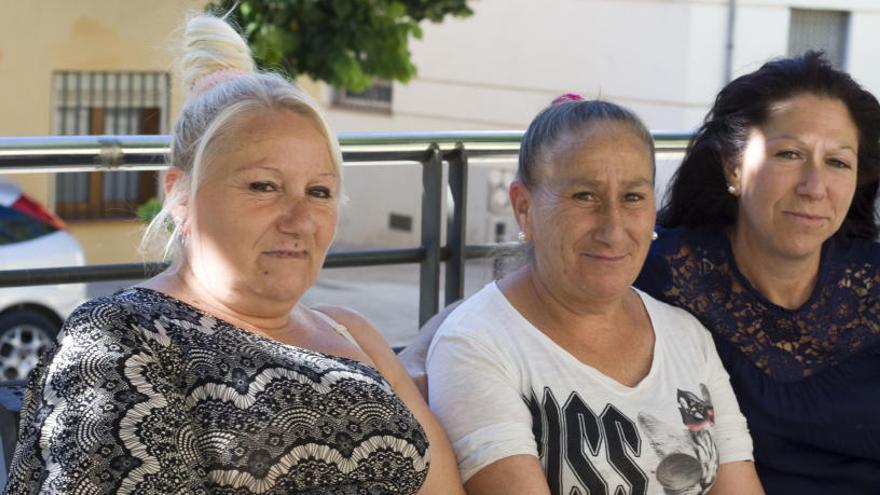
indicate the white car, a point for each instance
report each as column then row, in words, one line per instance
column 30, row 317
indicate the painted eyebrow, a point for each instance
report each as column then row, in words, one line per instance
column 248, row 167
column 597, row 183
column 795, row 139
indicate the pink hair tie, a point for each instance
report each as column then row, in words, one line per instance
column 205, row 83
column 568, row 97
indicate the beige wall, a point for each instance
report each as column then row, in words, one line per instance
column 38, row 37
column 109, row 242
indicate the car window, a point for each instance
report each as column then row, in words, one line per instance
column 15, row 226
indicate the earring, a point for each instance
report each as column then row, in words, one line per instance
column 181, row 227
column 521, row 236
column 654, row 236
column 731, row 190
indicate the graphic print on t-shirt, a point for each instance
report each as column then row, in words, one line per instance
column 573, row 436
column 688, row 457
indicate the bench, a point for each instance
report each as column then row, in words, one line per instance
column 11, row 394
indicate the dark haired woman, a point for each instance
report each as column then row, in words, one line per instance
column 770, row 242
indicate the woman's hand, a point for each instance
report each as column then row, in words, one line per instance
column 443, row 477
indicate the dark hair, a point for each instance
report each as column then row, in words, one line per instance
column 697, row 194
column 566, row 115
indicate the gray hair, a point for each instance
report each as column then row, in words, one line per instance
column 562, row 119
column 216, row 54
column 565, row 116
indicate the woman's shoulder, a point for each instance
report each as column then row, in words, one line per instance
column 101, row 330
column 853, row 265
column 855, row 252
column 122, row 315
column 102, row 311
column 484, row 321
column 358, row 331
column 350, row 324
column 680, row 257
column 479, row 314
column 673, row 241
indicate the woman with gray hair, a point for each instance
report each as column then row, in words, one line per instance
column 211, row 377
column 561, row 378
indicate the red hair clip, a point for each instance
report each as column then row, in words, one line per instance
column 568, row 97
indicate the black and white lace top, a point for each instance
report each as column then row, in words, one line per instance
column 146, row 394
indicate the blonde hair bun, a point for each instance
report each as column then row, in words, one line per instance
column 211, row 45
column 223, row 86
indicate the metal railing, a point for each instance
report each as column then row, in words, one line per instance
column 430, row 150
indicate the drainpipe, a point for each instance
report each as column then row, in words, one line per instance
column 728, row 49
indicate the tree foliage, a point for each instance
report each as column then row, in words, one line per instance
column 343, row 42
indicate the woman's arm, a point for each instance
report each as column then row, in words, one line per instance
column 737, row 478
column 737, row 474
column 79, row 426
column 476, row 393
column 514, row 475
column 443, row 477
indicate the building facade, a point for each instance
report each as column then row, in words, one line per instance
column 91, row 67
column 664, row 59
column 104, row 66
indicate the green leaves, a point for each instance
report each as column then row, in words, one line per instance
column 148, row 210
column 346, row 43
column 271, row 44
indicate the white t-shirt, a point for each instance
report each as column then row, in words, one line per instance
column 501, row 387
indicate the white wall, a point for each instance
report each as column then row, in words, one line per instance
column 762, row 34
column 373, row 193
column 496, row 69
column 664, row 59
column 863, row 61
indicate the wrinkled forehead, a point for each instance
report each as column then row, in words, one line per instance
column 251, row 127
column 811, row 116
column 610, row 139
column 248, row 125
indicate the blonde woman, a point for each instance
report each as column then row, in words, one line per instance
column 211, row 377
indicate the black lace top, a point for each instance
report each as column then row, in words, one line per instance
column 146, row 394
column 808, row 379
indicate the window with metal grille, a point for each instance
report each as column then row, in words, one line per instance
column 108, row 103
column 825, row 30
column 377, row 97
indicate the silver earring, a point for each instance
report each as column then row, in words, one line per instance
column 654, row 236
column 731, row 190
column 521, row 236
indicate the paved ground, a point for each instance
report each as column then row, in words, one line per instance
column 387, row 295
